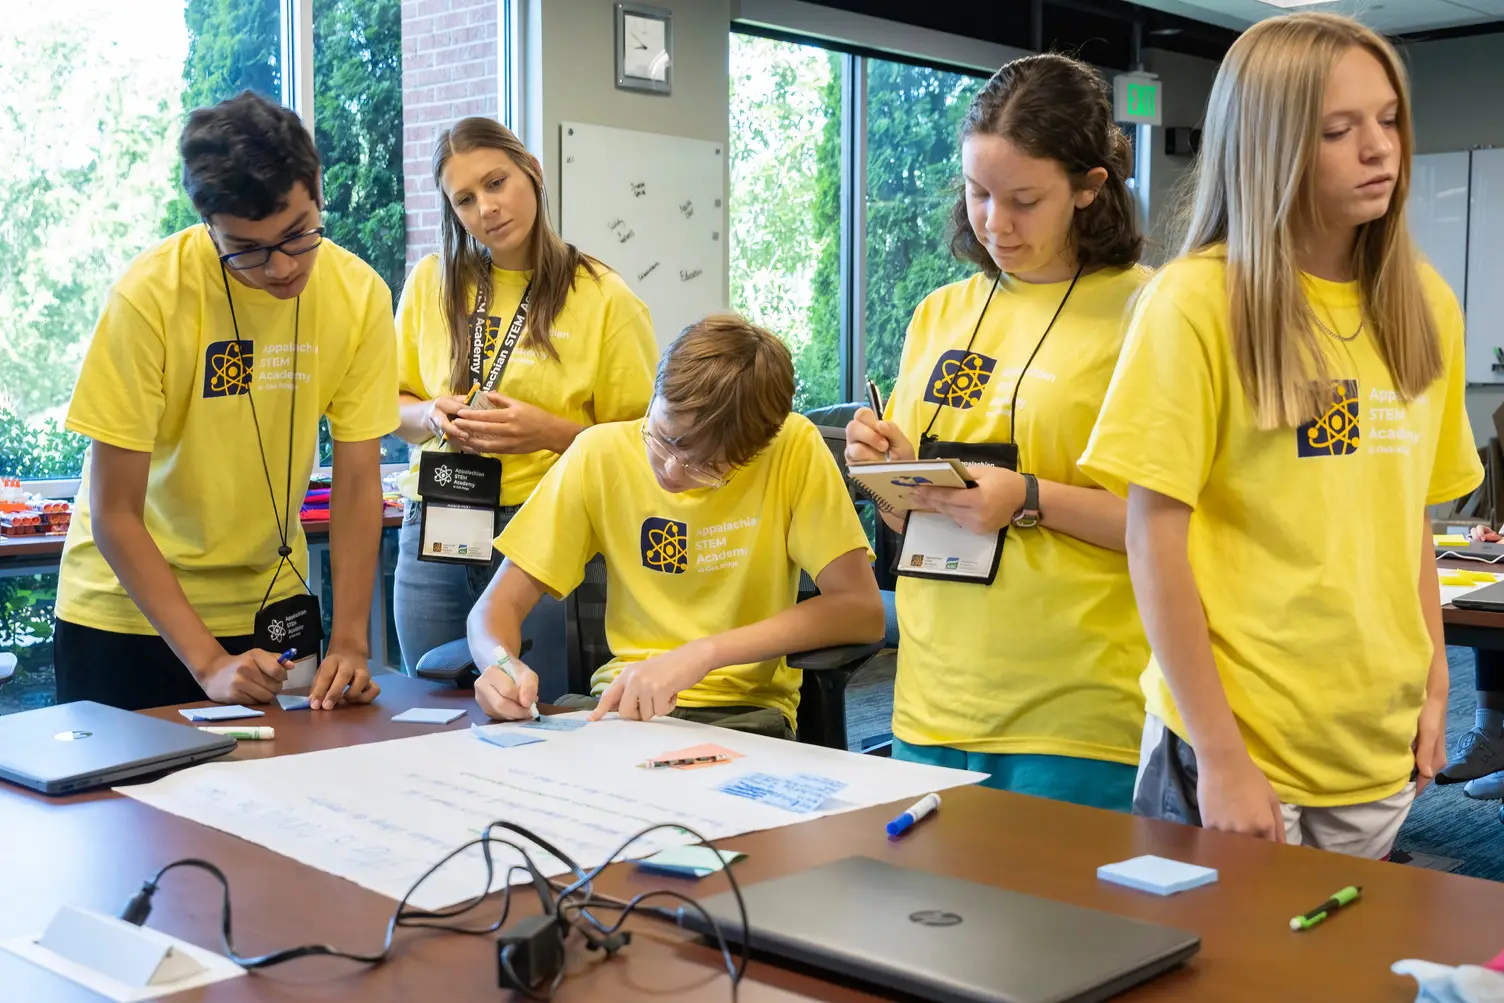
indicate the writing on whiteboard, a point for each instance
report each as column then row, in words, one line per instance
column 648, row 271
column 685, row 275
column 619, row 227
column 639, row 188
column 687, row 208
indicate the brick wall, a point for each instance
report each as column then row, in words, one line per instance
column 448, row 71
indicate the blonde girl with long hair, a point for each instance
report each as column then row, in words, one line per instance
column 584, row 354
column 1288, row 402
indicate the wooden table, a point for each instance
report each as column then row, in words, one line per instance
column 15, row 547
column 1472, row 628
column 94, row 850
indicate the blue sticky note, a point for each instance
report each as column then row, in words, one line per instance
column 799, row 792
column 689, row 861
column 228, row 713
column 292, row 702
column 428, row 715
column 502, row 736
column 1158, row 875
column 547, row 723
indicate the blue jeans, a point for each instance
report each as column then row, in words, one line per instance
column 1091, row 782
column 431, row 601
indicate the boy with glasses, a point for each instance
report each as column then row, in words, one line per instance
column 185, row 568
column 706, row 510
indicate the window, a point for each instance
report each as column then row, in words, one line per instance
column 786, row 203
column 913, row 180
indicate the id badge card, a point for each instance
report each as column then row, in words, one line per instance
column 295, row 624
column 459, row 492
column 933, row 546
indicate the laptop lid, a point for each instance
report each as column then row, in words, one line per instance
column 75, row 746
column 942, row 938
column 1488, row 553
column 1489, row 597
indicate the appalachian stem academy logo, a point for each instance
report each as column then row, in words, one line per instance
column 959, row 379
column 443, row 475
column 276, row 630
column 665, row 546
column 1335, row 432
column 228, row 368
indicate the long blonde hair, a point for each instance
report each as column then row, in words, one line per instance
column 465, row 263
column 1254, row 191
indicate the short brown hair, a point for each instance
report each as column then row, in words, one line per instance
column 735, row 379
column 1053, row 107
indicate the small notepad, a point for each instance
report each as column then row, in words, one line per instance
column 228, row 713
column 428, row 715
column 1157, row 874
column 689, row 861
column 503, row 736
column 291, row 702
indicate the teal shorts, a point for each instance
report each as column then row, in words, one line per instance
column 1091, row 782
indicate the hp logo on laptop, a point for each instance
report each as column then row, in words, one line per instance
column 934, row 917
column 72, row 736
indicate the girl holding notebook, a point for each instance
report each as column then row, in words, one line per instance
column 1288, row 402
column 1020, row 645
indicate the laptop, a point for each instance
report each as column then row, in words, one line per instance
column 941, row 938
column 1488, row 553
column 1489, row 598
column 76, row 746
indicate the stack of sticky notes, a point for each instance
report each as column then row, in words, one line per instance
column 689, row 861
column 1451, row 540
column 1464, row 578
column 1157, row 874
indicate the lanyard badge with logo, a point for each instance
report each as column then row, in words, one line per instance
column 461, row 491
column 295, row 623
column 933, row 546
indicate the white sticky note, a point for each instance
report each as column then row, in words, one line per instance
column 1157, row 874
column 228, row 713
column 428, row 715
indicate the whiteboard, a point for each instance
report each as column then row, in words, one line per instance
column 1438, row 212
column 1485, row 266
column 653, row 208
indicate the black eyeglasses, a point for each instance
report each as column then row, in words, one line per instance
column 255, row 257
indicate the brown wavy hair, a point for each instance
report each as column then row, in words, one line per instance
column 464, row 263
column 1053, row 107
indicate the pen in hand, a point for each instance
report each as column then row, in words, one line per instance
column 504, row 663
column 875, row 399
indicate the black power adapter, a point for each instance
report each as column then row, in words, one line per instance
column 530, row 955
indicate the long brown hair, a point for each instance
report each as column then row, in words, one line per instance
column 1254, row 192
column 465, row 263
column 1053, row 107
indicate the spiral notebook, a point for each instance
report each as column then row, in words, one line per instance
column 892, row 485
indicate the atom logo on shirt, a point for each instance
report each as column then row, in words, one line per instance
column 665, row 546
column 228, row 368
column 1335, row 432
column 959, row 378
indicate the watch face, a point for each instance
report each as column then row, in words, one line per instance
column 644, row 52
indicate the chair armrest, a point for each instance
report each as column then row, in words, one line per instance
column 840, row 657
column 448, row 663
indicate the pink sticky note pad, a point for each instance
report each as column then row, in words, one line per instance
column 699, row 750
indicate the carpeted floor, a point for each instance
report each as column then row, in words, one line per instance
column 1444, row 823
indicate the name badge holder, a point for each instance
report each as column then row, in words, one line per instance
column 933, row 546
column 460, row 492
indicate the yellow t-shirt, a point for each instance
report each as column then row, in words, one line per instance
column 607, row 358
column 680, row 567
column 162, row 376
column 1305, row 542
column 1046, row 659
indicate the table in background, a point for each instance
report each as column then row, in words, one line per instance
column 94, row 850
column 40, row 555
column 1472, row 628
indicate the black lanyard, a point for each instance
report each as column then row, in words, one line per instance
column 1013, row 403
column 479, row 321
column 283, row 518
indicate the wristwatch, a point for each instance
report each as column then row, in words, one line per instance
column 1028, row 516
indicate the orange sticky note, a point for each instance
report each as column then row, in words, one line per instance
column 699, row 750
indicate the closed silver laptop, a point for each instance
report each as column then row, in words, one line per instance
column 941, row 938
column 76, row 746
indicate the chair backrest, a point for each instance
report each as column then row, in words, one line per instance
column 832, row 421
column 585, row 628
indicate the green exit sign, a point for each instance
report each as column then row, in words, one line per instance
column 1136, row 99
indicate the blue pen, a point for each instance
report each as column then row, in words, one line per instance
column 287, row 654
column 906, row 821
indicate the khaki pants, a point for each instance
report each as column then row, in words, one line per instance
column 753, row 720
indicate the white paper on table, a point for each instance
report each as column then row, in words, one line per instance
column 381, row 814
column 1450, row 592
column 217, row 968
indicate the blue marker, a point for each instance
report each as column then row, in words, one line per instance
column 906, row 821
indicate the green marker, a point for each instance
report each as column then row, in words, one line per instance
column 1342, row 899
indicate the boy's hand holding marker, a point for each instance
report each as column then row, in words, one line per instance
column 508, row 689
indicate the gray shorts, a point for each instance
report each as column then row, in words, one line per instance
column 1166, row 789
